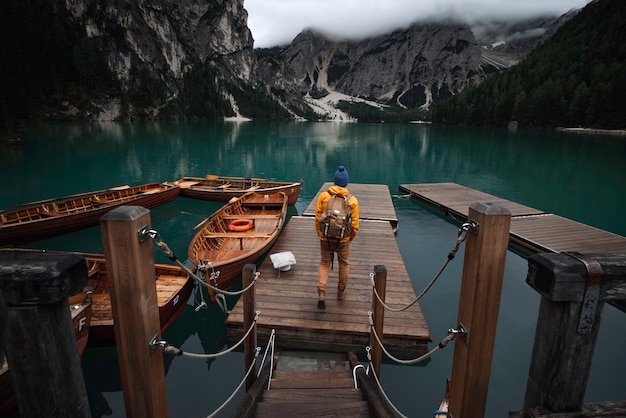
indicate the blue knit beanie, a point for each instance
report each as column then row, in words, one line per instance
column 341, row 177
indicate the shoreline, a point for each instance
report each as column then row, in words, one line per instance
column 594, row 131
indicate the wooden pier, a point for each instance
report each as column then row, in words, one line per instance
column 532, row 230
column 288, row 300
column 374, row 202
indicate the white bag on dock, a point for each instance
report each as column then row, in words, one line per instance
column 283, row 260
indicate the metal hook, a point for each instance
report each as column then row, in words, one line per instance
column 460, row 330
column 157, row 343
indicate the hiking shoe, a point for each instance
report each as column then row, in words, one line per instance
column 341, row 294
column 321, row 302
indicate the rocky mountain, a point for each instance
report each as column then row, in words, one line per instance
column 409, row 68
column 87, row 59
column 154, row 44
column 575, row 79
column 158, row 59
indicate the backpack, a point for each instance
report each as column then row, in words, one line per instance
column 336, row 223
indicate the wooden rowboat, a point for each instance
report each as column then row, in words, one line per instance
column 257, row 220
column 80, row 311
column 173, row 288
column 223, row 188
column 47, row 218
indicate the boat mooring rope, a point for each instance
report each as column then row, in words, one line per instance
column 160, row 244
column 462, row 236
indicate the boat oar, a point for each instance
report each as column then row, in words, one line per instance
column 57, row 199
column 201, row 224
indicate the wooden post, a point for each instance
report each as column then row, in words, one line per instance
column 130, row 263
column 249, row 270
column 41, row 345
column 483, row 271
column 378, row 310
column 568, row 323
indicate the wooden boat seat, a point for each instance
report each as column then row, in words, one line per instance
column 187, row 184
column 215, row 256
column 48, row 214
column 236, row 235
column 49, row 211
column 224, row 186
column 152, row 191
column 259, row 216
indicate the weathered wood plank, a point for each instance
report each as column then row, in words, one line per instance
column 41, row 344
column 532, row 230
column 454, row 200
column 574, row 288
column 313, row 409
column 557, row 234
column 562, row 278
column 561, row 358
column 288, row 300
column 298, row 395
column 313, row 385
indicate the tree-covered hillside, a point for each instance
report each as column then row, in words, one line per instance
column 576, row 78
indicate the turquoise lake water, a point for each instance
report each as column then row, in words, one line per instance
column 581, row 177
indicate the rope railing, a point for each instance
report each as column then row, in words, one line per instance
column 370, row 367
column 167, row 348
column 444, row 342
column 380, row 388
column 178, row 352
column 230, row 398
column 160, row 244
column 436, row 414
column 462, row 236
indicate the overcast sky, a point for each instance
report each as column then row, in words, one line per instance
column 277, row 22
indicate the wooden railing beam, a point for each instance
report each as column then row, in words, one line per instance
column 569, row 318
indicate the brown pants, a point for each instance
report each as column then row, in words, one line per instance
column 342, row 251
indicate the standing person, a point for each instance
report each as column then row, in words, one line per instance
column 335, row 233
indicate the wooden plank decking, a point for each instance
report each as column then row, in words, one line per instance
column 288, row 302
column 532, row 230
column 315, row 385
column 374, row 202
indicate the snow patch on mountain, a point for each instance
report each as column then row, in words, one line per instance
column 326, row 106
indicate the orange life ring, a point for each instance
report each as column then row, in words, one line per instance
column 240, row 225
